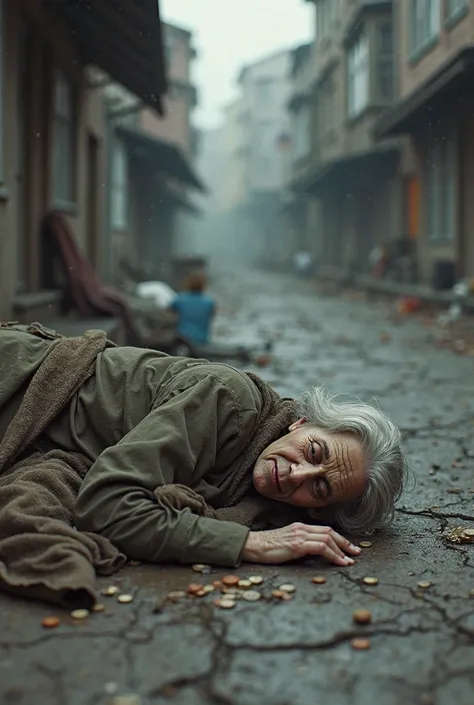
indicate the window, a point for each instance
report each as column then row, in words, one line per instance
column 265, row 90
column 439, row 175
column 425, row 22
column 454, row 8
column 358, row 76
column 326, row 109
column 1, row 90
column 63, row 143
column 385, row 62
column 119, row 187
column 301, row 137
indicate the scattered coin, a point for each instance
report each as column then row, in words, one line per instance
column 110, row 590
column 256, row 579
column 278, row 594
column 124, row 599
column 469, row 533
column 208, row 588
column 98, row 607
column 286, row 596
column 288, row 587
column 244, row 584
column 370, row 581
column 133, row 564
column 51, row 622
column 217, row 584
column 360, row 644
column 80, row 614
column 225, row 604
column 200, row 593
column 176, row 595
column 365, row 544
column 197, row 567
column 362, row 617
column 319, row 580
column 251, row 595
column 230, row 580
column 471, row 593
column 193, row 588
column 424, row 584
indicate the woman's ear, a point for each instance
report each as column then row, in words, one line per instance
column 297, row 424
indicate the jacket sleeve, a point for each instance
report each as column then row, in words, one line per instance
column 196, row 429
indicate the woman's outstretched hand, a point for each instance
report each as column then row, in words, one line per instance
column 296, row 541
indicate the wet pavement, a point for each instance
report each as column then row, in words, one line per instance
column 298, row 651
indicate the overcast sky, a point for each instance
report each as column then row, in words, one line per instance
column 230, row 33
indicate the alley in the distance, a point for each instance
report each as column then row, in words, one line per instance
column 298, row 651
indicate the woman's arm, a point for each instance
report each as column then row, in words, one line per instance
column 194, row 431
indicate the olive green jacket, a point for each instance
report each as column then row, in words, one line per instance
column 147, row 420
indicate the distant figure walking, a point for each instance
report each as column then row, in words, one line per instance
column 195, row 309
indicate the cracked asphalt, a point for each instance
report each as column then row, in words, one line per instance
column 296, row 652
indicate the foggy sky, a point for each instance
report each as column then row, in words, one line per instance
column 227, row 34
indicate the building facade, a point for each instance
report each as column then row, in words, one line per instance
column 152, row 169
column 53, row 131
column 349, row 178
column 435, row 110
column 257, row 129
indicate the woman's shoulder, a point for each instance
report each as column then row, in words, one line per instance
column 236, row 385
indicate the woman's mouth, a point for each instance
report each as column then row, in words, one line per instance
column 275, row 477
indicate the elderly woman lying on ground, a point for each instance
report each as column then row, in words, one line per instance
column 175, row 459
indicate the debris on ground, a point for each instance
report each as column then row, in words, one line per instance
column 460, row 534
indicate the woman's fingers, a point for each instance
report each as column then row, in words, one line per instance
column 319, row 548
column 342, row 543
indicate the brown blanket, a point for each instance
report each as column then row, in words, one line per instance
column 41, row 553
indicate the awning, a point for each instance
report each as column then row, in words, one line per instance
column 445, row 91
column 349, row 171
column 160, row 156
column 121, row 37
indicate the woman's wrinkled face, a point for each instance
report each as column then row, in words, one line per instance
column 312, row 468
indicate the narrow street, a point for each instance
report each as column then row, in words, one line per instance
column 296, row 652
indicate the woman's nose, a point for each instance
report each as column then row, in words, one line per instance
column 299, row 473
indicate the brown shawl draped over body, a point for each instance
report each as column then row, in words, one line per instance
column 41, row 553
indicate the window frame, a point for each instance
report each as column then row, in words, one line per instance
column 358, row 76
column 456, row 13
column 425, row 25
column 440, row 180
column 64, row 133
column 119, row 187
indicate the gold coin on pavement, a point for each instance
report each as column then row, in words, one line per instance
column 124, row 599
column 80, row 614
column 50, row 622
column 365, row 544
column 256, row 579
column 244, row 584
column 286, row 596
column 109, row 591
column 208, row 588
column 424, row 584
column 98, row 607
column 278, row 594
column 370, row 581
column 362, row 617
column 201, row 593
column 251, row 595
column 230, row 580
column 288, row 587
column 225, row 604
column 176, row 594
column 201, row 567
column 319, row 580
column 360, row 644
column 194, row 588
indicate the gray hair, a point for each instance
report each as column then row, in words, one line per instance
column 381, row 441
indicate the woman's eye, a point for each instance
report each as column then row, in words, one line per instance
column 316, row 454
